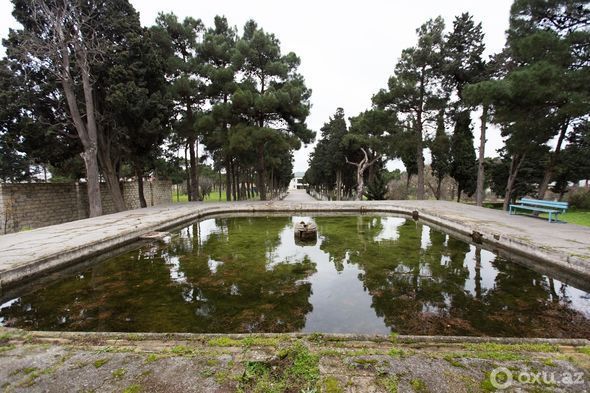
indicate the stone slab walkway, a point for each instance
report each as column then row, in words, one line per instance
column 298, row 196
column 132, row 363
column 565, row 246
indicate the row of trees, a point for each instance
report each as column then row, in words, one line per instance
column 535, row 90
column 90, row 93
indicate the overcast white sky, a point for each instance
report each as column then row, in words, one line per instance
column 348, row 49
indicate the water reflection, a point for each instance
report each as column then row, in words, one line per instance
column 365, row 274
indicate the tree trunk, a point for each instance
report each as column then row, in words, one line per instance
column 514, row 167
column 238, row 181
column 198, row 172
column 272, row 183
column 419, row 152
column 261, row 174
column 92, row 132
column 228, row 179
column 438, row 184
column 194, row 188
column 339, row 185
column 477, row 272
column 92, row 182
column 248, row 186
column 420, row 159
column 188, row 175
column 552, row 162
column 480, row 192
column 234, row 188
column 459, row 191
column 110, row 175
column 360, row 184
column 88, row 138
column 360, row 170
column 220, row 181
column 139, row 175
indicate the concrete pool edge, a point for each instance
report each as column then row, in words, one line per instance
column 134, row 362
column 175, row 215
column 131, row 337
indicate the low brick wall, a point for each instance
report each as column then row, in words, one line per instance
column 35, row 205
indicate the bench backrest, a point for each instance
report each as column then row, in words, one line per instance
column 539, row 202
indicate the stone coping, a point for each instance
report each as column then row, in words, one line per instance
column 204, row 337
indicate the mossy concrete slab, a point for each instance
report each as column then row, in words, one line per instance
column 117, row 362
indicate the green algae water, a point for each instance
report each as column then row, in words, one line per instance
column 364, row 274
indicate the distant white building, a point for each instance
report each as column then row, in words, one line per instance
column 297, row 182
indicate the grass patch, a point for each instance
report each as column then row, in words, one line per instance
column 452, row 359
column 212, row 362
column 119, row 373
column 365, row 362
column 574, row 216
column 246, row 342
column 132, row 389
column 391, row 384
column 100, row 362
column 332, row 385
column 211, row 197
column 260, row 342
column 418, row 385
column 4, row 337
column 316, row 337
column 152, row 357
column 396, row 352
column 296, row 369
column 524, row 347
column 549, row 362
column 497, row 355
column 224, row 342
column 5, row 348
column 585, row 350
column 487, row 386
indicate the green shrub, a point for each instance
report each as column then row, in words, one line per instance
column 580, row 199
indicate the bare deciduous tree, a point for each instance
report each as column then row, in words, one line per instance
column 360, row 171
column 61, row 39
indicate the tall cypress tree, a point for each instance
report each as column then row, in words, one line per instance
column 441, row 155
column 463, row 165
column 464, row 65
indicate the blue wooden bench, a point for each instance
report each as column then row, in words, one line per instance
column 553, row 209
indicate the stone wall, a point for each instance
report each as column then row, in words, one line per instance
column 34, row 205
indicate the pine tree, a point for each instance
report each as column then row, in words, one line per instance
column 272, row 99
column 415, row 89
